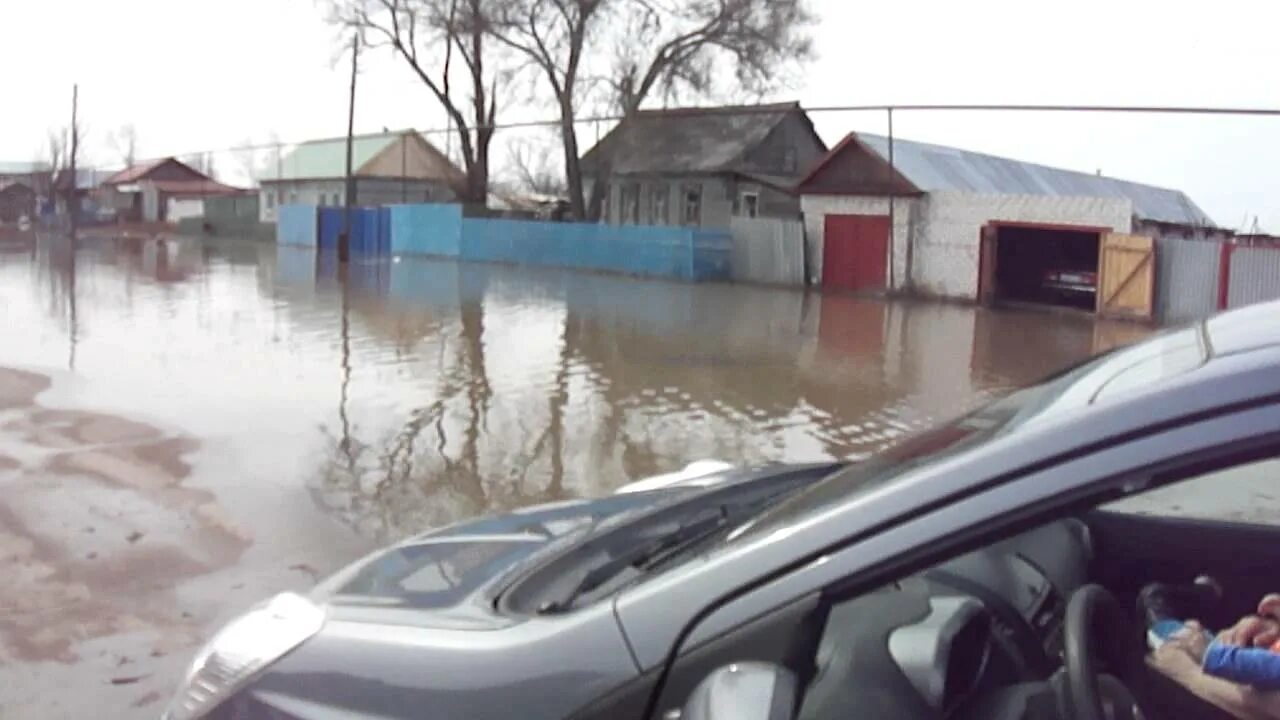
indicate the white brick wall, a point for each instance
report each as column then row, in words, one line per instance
column 945, row 229
column 948, row 234
column 817, row 207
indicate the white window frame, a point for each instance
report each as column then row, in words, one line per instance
column 694, row 218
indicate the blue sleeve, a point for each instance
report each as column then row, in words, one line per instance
column 1258, row 667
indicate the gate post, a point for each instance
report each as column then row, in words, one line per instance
column 1224, row 274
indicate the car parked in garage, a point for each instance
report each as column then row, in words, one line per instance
column 978, row 570
column 1070, row 285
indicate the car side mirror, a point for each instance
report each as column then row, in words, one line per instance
column 744, row 691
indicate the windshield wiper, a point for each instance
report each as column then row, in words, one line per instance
column 643, row 557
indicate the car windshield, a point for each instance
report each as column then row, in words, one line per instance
column 1103, row 377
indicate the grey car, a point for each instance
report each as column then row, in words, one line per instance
column 983, row 569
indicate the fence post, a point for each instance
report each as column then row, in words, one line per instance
column 1224, row 274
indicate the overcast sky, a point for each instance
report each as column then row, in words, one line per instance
column 193, row 76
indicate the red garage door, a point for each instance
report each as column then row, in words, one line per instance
column 854, row 252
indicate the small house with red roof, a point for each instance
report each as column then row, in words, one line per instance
column 163, row 190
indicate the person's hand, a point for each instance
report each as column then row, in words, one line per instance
column 1192, row 639
column 1253, row 630
column 1269, row 607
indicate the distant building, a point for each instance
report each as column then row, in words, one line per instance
column 389, row 168
column 17, row 200
column 87, row 183
column 702, row 166
column 36, row 175
column 163, row 190
column 959, row 224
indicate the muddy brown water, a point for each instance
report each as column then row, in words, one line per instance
column 188, row 426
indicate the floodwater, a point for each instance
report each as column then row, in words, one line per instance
column 186, row 426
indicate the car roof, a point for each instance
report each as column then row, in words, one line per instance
column 1164, row 362
column 1248, row 328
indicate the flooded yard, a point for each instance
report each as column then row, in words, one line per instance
column 187, row 427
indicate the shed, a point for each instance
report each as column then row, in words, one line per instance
column 161, row 190
column 388, row 168
column 973, row 226
column 17, row 200
column 703, row 166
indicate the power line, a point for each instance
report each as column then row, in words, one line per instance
column 816, row 110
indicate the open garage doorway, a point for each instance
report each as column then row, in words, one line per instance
column 1047, row 265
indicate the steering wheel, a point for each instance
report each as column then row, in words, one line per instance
column 1097, row 629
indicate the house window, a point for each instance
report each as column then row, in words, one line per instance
column 692, row 211
column 293, row 197
column 789, row 160
column 630, row 201
column 271, row 200
column 750, row 205
column 658, row 204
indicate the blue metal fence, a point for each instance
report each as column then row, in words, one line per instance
column 440, row 230
column 368, row 235
column 426, row 230
column 680, row 253
column 297, row 225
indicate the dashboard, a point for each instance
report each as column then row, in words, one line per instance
column 931, row 645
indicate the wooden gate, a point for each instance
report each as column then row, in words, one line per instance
column 987, row 256
column 855, row 251
column 1126, row 276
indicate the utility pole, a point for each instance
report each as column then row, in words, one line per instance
column 344, row 240
column 72, row 201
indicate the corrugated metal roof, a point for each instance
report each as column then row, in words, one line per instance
column 326, row 159
column 937, row 167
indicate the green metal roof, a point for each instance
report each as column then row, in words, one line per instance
column 321, row 159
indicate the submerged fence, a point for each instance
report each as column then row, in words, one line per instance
column 768, row 250
column 441, row 231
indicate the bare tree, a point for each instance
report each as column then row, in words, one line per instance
column 273, row 166
column 533, row 168
column 60, row 144
column 554, row 35
column 124, row 143
column 247, row 161
column 56, row 152
column 680, row 44
column 668, row 47
column 201, row 162
column 426, row 35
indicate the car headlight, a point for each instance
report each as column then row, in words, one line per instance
column 242, row 648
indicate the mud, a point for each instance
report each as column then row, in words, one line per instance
column 77, row 491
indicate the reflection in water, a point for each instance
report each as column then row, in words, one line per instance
column 467, row 389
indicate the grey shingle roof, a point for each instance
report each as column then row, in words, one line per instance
column 937, row 167
column 686, row 140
